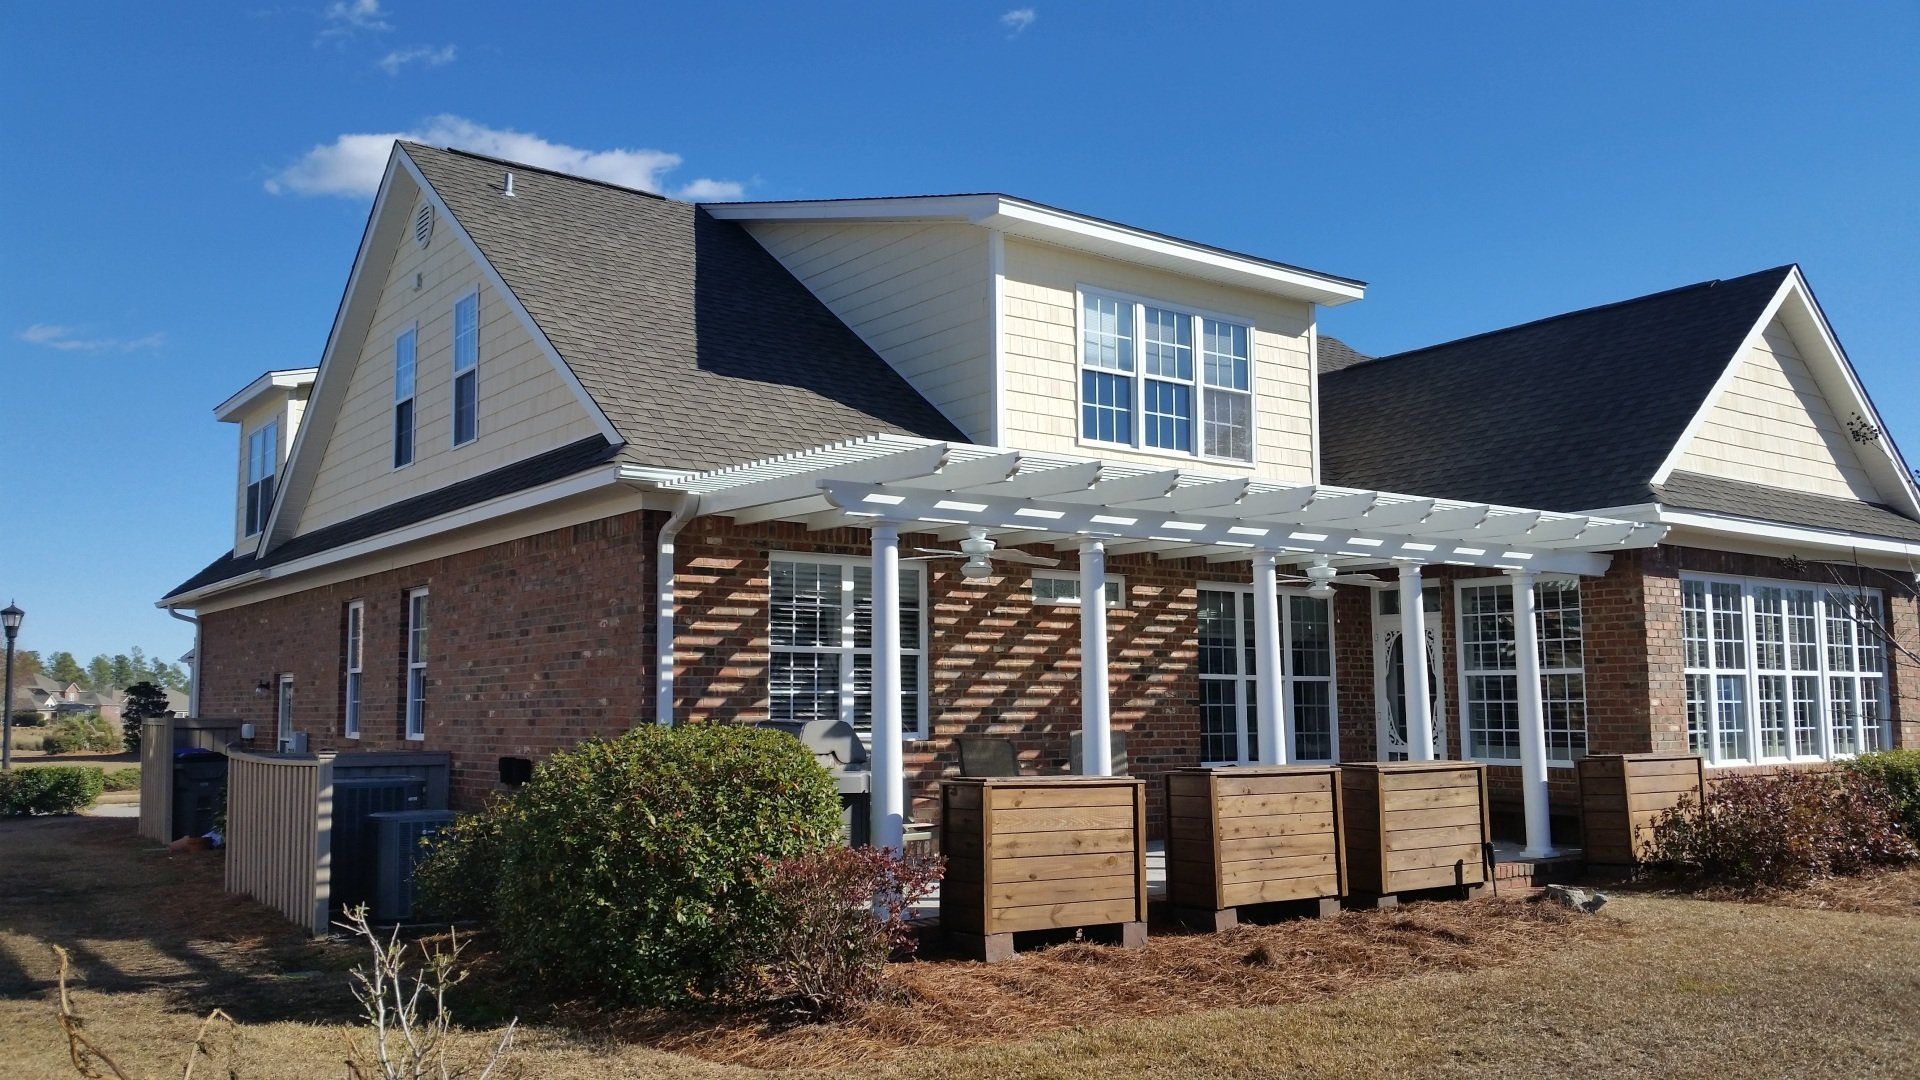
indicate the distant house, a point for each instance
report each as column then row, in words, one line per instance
column 645, row 461
column 51, row 698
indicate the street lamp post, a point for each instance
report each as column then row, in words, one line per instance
column 10, row 617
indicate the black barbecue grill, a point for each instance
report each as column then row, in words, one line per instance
column 838, row 749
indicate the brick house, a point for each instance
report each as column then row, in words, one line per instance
column 578, row 457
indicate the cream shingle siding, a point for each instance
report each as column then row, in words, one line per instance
column 1773, row 425
column 1042, row 378
column 916, row 293
column 525, row 408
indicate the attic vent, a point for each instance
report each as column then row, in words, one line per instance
column 423, row 225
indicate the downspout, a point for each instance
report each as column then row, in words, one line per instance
column 663, row 600
column 193, row 677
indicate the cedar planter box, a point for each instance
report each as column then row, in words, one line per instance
column 1413, row 825
column 1042, row 853
column 1241, row 835
column 1622, row 795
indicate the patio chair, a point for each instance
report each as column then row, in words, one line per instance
column 1119, row 754
column 988, row 757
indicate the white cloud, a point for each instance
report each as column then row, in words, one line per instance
column 50, row 336
column 424, row 55
column 348, row 16
column 350, row 166
column 1018, row 20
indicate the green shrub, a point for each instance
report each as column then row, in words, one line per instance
column 633, row 869
column 28, row 718
column 459, row 876
column 127, row 779
column 83, row 731
column 1899, row 770
column 49, row 789
column 839, row 915
column 1781, row 830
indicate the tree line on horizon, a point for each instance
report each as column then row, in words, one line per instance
column 102, row 674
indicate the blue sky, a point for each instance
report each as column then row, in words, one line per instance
column 170, row 230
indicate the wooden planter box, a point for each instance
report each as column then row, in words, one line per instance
column 1241, row 835
column 1412, row 825
column 1622, row 795
column 1042, row 853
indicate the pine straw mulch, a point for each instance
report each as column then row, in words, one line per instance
column 1881, row 892
column 953, row 1003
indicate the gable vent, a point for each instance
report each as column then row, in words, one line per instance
column 423, row 225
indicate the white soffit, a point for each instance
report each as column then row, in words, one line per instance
column 1034, row 221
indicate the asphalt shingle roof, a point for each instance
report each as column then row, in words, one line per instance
column 1760, row 502
column 1337, row 355
column 698, row 345
column 1574, row 412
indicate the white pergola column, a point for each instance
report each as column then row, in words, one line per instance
column 1096, row 727
column 1413, row 664
column 1269, row 714
column 1533, row 728
column 889, row 797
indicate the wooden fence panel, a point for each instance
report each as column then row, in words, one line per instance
column 279, row 815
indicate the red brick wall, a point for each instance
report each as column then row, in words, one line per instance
column 533, row 645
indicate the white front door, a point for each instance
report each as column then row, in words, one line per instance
column 1389, row 674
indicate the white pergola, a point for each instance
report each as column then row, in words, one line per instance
column 1099, row 508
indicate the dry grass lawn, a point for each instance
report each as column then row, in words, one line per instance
column 1825, row 982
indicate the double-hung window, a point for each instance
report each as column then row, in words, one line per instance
column 263, row 458
column 1781, row 670
column 356, row 642
column 1229, row 687
column 1489, row 670
column 1158, row 378
column 403, row 363
column 416, row 706
column 821, row 642
column 466, row 368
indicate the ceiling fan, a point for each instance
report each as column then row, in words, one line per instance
column 980, row 553
column 1320, row 577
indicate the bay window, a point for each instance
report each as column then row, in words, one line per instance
column 821, row 642
column 1779, row 670
column 1143, row 387
column 1489, row 670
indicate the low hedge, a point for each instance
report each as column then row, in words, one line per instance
column 1780, row 830
column 1899, row 770
column 86, row 731
column 127, row 779
column 49, row 789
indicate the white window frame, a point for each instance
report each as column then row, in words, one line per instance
column 1749, row 672
column 353, row 665
column 414, row 709
column 410, row 334
column 267, row 456
column 1138, row 377
column 282, row 709
column 470, row 372
column 1247, row 679
column 1465, row 673
column 912, row 727
column 1116, row 589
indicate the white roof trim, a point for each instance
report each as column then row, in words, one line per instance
column 244, row 399
column 1033, row 221
column 1828, row 362
column 1035, row 497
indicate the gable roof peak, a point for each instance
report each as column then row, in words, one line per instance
column 408, row 147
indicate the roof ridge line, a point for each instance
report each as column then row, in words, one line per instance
column 1611, row 305
column 596, row 182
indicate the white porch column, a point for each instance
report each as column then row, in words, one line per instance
column 1533, row 729
column 1269, row 716
column 889, row 796
column 1413, row 664
column 1096, row 728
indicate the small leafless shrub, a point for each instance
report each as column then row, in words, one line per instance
column 405, row 1007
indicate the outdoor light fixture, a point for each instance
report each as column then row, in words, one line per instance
column 10, row 617
column 261, row 688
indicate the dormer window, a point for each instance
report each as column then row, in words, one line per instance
column 263, row 459
column 403, row 356
column 1142, row 386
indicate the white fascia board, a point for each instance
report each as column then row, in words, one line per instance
column 1017, row 217
column 229, row 410
column 1726, row 525
column 580, row 484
